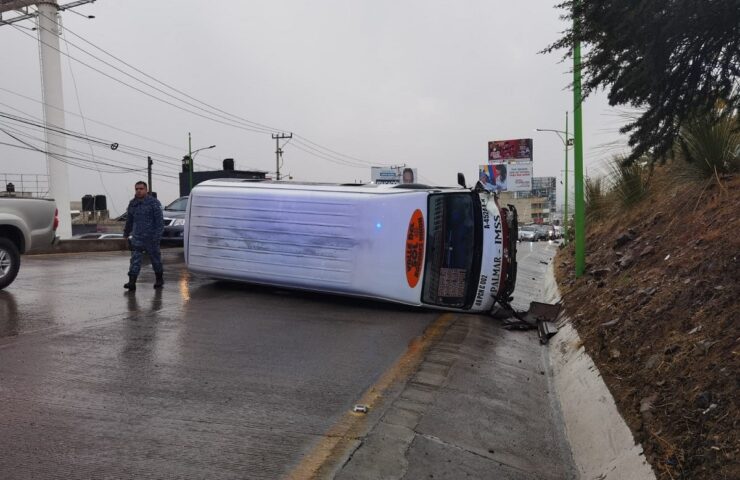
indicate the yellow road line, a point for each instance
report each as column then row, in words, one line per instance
column 335, row 443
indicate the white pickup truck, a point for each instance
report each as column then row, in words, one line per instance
column 26, row 224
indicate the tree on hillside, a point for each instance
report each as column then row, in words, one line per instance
column 673, row 59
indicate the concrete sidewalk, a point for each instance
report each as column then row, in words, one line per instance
column 481, row 404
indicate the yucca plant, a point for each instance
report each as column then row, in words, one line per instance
column 595, row 198
column 709, row 147
column 629, row 182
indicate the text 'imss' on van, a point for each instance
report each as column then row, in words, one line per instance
column 436, row 247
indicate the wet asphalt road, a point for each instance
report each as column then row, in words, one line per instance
column 200, row 380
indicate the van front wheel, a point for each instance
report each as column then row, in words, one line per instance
column 10, row 262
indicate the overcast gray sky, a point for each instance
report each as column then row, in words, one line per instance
column 426, row 83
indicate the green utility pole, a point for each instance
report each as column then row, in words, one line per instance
column 565, row 217
column 190, row 162
column 578, row 161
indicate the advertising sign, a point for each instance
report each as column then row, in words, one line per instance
column 519, row 177
column 393, row 176
column 492, row 179
column 510, row 150
column 506, row 177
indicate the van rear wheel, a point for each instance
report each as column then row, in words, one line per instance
column 10, row 262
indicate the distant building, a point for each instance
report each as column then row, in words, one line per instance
column 545, row 187
column 227, row 172
column 538, row 205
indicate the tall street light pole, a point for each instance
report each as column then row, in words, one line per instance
column 578, row 161
column 567, row 143
column 191, row 160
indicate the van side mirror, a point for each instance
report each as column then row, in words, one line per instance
column 461, row 179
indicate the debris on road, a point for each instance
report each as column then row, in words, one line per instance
column 540, row 316
column 359, row 408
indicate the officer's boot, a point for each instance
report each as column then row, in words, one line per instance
column 159, row 282
column 131, row 285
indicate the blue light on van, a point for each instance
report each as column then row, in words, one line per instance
column 378, row 225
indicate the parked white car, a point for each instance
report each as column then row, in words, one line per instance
column 529, row 233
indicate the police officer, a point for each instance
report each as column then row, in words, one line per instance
column 143, row 231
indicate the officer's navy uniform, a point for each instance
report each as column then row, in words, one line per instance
column 144, row 226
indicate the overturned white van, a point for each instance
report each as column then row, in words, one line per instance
column 436, row 247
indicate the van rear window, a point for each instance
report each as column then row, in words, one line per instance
column 452, row 262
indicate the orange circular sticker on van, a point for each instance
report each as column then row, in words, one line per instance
column 415, row 248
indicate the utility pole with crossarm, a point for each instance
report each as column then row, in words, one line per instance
column 279, row 151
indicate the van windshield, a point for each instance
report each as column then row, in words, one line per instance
column 454, row 249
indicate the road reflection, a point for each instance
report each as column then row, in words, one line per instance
column 140, row 332
column 8, row 315
column 184, row 285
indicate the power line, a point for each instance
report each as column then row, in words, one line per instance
column 107, row 125
column 245, row 123
column 305, row 140
column 78, row 137
column 88, row 139
column 309, row 147
column 58, row 130
column 111, row 77
column 260, row 129
column 68, row 158
column 300, row 145
column 93, row 161
column 265, row 128
column 84, row 123
column 79, row 152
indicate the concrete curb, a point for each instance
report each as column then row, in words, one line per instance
column 88, row 246
column 83, row 246
column 601, row 443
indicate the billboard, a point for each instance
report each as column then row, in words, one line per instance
column 509, row 167
column 506, row 177
column 519, row 177
column 510, row 150
column 393, row 175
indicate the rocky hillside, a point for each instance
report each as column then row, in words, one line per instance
column 659, row 311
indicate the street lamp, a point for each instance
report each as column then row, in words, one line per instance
column 567, row 142
column 191, row 158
